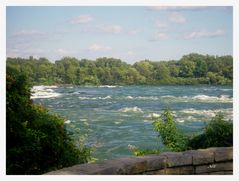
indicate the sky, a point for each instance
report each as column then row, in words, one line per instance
column 131, row 33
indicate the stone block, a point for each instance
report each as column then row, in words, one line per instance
column 178, row 159
column 215, row 167
column 202, row 157
column 155, row 172
column 224, row 154
column 221, row 173
column 155, row 162
column 133, row 165
column 218, row 173
column 80, row 169
column 185, row 170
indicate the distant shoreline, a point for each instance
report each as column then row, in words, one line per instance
column 117, row 85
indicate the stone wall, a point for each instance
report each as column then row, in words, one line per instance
column 209, row 161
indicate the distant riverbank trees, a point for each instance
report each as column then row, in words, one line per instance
column 190, row 69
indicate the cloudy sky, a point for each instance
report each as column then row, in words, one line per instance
column 129, row 33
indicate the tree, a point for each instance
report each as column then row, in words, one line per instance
column 190, row 69
column 200, row 68
column 145, row 68
column 37, row 141
column 161, row 72
column 186, row 68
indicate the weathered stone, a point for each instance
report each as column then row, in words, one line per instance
column 185, row 170
column 178, row 159
column 84, row 169
column 156, row 172
column 134, row 165
column 209, row 161
column 108, row 171
column 202, row 157
column 215, row 167
column 221, row 173
column 155, row 162
column 224, row 154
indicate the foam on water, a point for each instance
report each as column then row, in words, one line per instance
column 108, row 86
column 129, row 97
column 43, row 92
column 201, row 98
column 153, row 115
column 75, row 93
column 180, row 121
column 94, row 98
column 222, row 98
column 107, row 97
column 131, row 109
column 210, row 113
column 67, row 121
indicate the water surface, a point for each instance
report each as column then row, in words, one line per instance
column 118, row 116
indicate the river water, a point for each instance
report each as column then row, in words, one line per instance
column 114, row 117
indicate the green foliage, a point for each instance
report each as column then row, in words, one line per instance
column 190, row 69
column 36, row 140
column 217, row 133
column 140, row 152
column 171, row 137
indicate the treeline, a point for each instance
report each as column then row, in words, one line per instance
column 190, row 69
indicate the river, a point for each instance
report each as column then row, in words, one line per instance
column 113, row 117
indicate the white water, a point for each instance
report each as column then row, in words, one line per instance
column 44, row 92
column 131, row 109
column 118, row 116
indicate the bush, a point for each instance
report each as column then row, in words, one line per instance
column 37, row 141
column 171, row 137
column 217, row 133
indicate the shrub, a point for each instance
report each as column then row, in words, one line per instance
column 217, row 133
column 167, row 130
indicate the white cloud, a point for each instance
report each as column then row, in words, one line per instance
column 26, row 36
column 133, row 32
column 86, row 18
column 130, row 53
column 204, row 34
column 98, row 48
column 160, row 36
column 62, row 51
column 176, row 8
column 28, row 33
column 22, row 52
column 177, row 18
column 115, row 29
column 25, row 43
column 160, row 24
